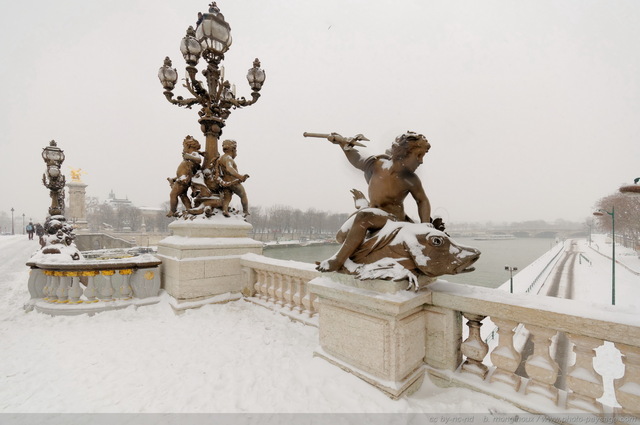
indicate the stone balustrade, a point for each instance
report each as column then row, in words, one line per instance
column 542, row 359
column 550, row 331
column 88, row 286
column 281, row 285
column 535, row 336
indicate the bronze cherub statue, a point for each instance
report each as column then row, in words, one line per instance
column 211, row 187
column 379, row 240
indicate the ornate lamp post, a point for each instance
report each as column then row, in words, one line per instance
column 12, row 226
column 23, row 229
column 215, row 95
column 600, row 213
column 53, row 179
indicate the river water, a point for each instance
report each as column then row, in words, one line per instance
column 490, row 272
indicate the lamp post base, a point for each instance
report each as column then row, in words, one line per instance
column 202, row 257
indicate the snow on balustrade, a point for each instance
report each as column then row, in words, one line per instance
column 544, row 386
column 282, row 285
column 529, row 379
column 56, row 286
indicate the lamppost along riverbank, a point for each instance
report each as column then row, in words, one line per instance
column 613, row 254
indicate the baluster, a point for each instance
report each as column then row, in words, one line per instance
column 279, row 289
column 106, row 289
column 585, row 384
column 474, row 348
column 90, row 292
column 540, row 367
column 505, row 357
column 265, row 286
column 288, row 293
column 258, row 285
column 62, row 292
column 125, row 289
column 271, row 290
column 627, row 386
column 299, row 294
column 53, row 289
column 48, row 287
column 75, row 291
column 306, row 302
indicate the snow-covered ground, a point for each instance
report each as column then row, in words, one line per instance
column 234, row 357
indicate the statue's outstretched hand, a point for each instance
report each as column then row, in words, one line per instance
column 359, row 199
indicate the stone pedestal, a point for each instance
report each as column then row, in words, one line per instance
column 373, row 329
column 201, row 259
column 77, row 211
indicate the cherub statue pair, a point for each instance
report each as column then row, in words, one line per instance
column 211, row 188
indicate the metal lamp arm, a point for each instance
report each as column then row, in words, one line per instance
column 188, row 103
column 242, row 102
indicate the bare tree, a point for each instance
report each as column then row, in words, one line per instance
column 627, row 216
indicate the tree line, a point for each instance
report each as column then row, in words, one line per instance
column 627, row 217
column 277, row 222
column 281, row 222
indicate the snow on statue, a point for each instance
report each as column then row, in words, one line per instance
column 379, row 241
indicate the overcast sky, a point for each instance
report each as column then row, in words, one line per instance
column 532, row 107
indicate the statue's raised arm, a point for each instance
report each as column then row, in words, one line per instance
column 347, row 144
column 344, row 142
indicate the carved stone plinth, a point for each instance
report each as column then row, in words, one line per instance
column 202, row 257
column 377, row 336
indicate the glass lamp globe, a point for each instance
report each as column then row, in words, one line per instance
column 53, row 154
column 256, row 76
column 213, row 33
column 168, row 76
column 190, row 47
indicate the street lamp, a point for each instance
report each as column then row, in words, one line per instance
column 12, row 227
column 510, row 270
column 600, row 213
column 53, row 179
column 633, row 189
column 23, row 223
column 215, row 96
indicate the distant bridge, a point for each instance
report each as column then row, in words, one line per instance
column 562, row 233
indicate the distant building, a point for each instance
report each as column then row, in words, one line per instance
column 114, row 202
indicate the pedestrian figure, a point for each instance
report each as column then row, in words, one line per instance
column 30, row 229
column 40, row 233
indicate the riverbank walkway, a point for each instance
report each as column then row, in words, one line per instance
column 582, row 271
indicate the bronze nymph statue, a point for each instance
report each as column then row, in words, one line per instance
column 379, row 240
